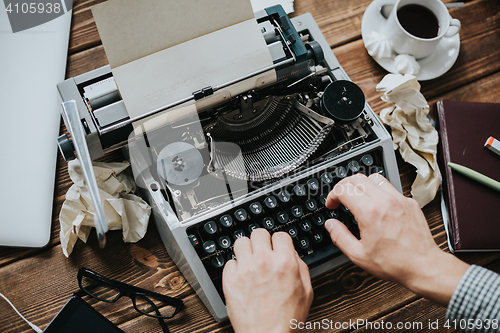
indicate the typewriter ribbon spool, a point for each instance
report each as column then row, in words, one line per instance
column 343, row 100
column 180, row 163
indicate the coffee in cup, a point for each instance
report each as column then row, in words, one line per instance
column 418, row 20
column 416, row 27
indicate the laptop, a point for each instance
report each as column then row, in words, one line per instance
column 32, row 62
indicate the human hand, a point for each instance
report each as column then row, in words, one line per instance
column 268, row 285
column 396, row 243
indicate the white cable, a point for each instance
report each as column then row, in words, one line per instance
column 34, row 327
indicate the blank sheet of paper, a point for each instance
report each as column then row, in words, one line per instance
column 131, row 29
column 217, row 48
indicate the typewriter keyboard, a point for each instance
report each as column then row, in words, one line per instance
column 298, row 209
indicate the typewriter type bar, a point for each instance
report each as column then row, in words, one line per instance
column 265, row 157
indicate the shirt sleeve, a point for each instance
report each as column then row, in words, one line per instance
column 476, row 297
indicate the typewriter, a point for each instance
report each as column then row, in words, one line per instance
column 265, row 158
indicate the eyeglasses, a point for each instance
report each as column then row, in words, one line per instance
column 145, row 302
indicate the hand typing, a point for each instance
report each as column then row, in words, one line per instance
column 396, row 243
column 268, row 285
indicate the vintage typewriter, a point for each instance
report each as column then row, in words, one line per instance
column 265, row 158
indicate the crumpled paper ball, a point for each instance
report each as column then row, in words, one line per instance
column 378, row 46
column 406, row 64
column 412, row 132
column 123, row 209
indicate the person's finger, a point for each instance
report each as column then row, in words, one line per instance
column 229, row 269
column 383, row 183
column 282, row 242
column 242, row 248
column 344, row 239
column 261, row 240
column 334, row 198
column 356, row 193
column 229, row 274
column 305, row 276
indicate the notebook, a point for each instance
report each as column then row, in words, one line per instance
column 32, row 62
column 472, row 208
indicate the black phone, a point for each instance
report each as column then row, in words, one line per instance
column 77, row 316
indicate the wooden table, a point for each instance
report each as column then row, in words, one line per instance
column 40, row 281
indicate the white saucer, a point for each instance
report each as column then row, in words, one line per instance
column 431, row 67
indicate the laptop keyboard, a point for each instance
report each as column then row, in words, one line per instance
column 297, row 209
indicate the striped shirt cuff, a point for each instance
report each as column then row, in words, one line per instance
column 476, row 297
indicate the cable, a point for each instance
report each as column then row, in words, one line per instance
column 34, row 327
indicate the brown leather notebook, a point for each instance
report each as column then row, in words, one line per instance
column 473, row 208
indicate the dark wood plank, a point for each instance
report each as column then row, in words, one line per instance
column 85, row 61
column 83, row 34
column 486, row 90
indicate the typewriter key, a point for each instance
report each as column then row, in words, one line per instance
column 334, row 214
column 238, row 234
column 209, row 246
column 282, row 217
column 326, row 178
column 317, row 237
column 268, row 223
column 341, row 172
column 270, row 201
column 252, row 227
column 303, row 243
column 318, row 219
column 241, row 214
column 297, row 211
column 299, row 190
column 210, row 227
column 305, row 225
column 218, row 261
column 353, row 167
column 313, row 184
column 367, row 160
column 292, row 231
column 226, row 221
column 224, row 242
column 322, row 198
column 311, row 205
column 284, row 196
column 255, row 208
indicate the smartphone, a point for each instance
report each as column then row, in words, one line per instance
column 77, row 316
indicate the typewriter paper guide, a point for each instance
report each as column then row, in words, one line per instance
column 230, row 46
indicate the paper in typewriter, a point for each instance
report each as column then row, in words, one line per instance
column 163, row 51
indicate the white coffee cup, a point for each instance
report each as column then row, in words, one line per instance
column 403, row 42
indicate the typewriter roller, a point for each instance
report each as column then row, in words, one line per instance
column 264, row 158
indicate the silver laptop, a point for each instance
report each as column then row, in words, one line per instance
column 32, row 62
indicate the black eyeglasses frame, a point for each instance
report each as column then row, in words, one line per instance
column 129, row 291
